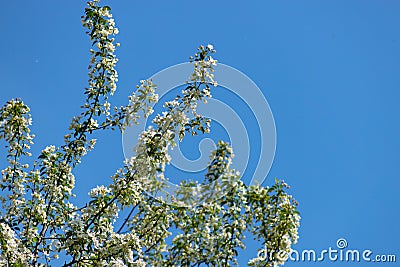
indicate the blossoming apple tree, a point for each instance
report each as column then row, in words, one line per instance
column 202, row 224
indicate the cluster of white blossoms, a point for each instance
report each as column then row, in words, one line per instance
column 12, row 251
column 278, row 209
column 152, row 149
column 204, row 68
column 123, row 224
column 14, row 128
column 141, row 101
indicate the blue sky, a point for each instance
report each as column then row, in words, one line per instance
column 329, row 70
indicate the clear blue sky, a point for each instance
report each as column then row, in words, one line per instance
column 329, row 69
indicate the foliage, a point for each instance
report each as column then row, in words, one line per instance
column 202, row 225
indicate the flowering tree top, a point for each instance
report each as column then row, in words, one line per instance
column 198, row 226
